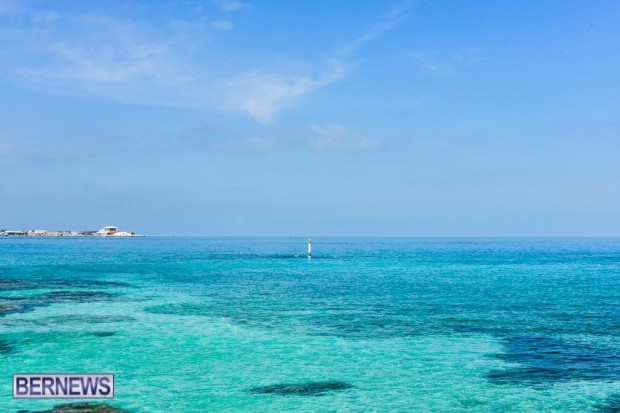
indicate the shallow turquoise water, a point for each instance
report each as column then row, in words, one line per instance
column 200, row 324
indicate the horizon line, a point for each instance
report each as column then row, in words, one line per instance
column 141, row 235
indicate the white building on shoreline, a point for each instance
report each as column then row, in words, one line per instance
column 109, row 231
column 105, row 231
column 112, row 231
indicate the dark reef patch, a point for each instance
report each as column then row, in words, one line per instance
column 76, row 296
column 78, row 283
column 6, row 347
column 16, row 305
column 544, row 360
column 10, row 285
column 64, row 291
column 10, row 305
column 90, row 319
column 312, row 388
column 179, row 309
column 104, row 333
column 70, row 319
column 610, row 405
column 5, row 309
column 79, row 408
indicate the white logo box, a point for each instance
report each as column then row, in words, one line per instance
column 63, row 386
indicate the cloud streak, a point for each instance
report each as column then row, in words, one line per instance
column 446, row 65
column 230, row 5
column 263, row 95
column 126, row 61
column 322, row 138
column 336, row 137
column 391, row 20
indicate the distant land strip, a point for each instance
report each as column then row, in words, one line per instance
column 109, row 231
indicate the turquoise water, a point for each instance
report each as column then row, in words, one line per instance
column 250, row 324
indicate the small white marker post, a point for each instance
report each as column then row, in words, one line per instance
column 309, row 247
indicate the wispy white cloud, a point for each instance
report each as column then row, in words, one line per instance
column 468, row 56
column 114, row 63
column 431, row 66
column 392, row 19
column 329, row 137
column 438, row 65
column 130, row 61
column 222, row 25
column 107, row 57
column 252, row 143
column 91, row 19
column 262, row 95
column 45, row 17
column 230, row 5
column 336, row 137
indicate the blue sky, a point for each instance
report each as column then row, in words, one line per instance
column 233, row 117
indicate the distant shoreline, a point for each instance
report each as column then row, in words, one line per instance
column 109, row 231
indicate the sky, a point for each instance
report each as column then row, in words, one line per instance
column 311, row 118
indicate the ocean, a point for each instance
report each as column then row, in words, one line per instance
column 367, row 325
